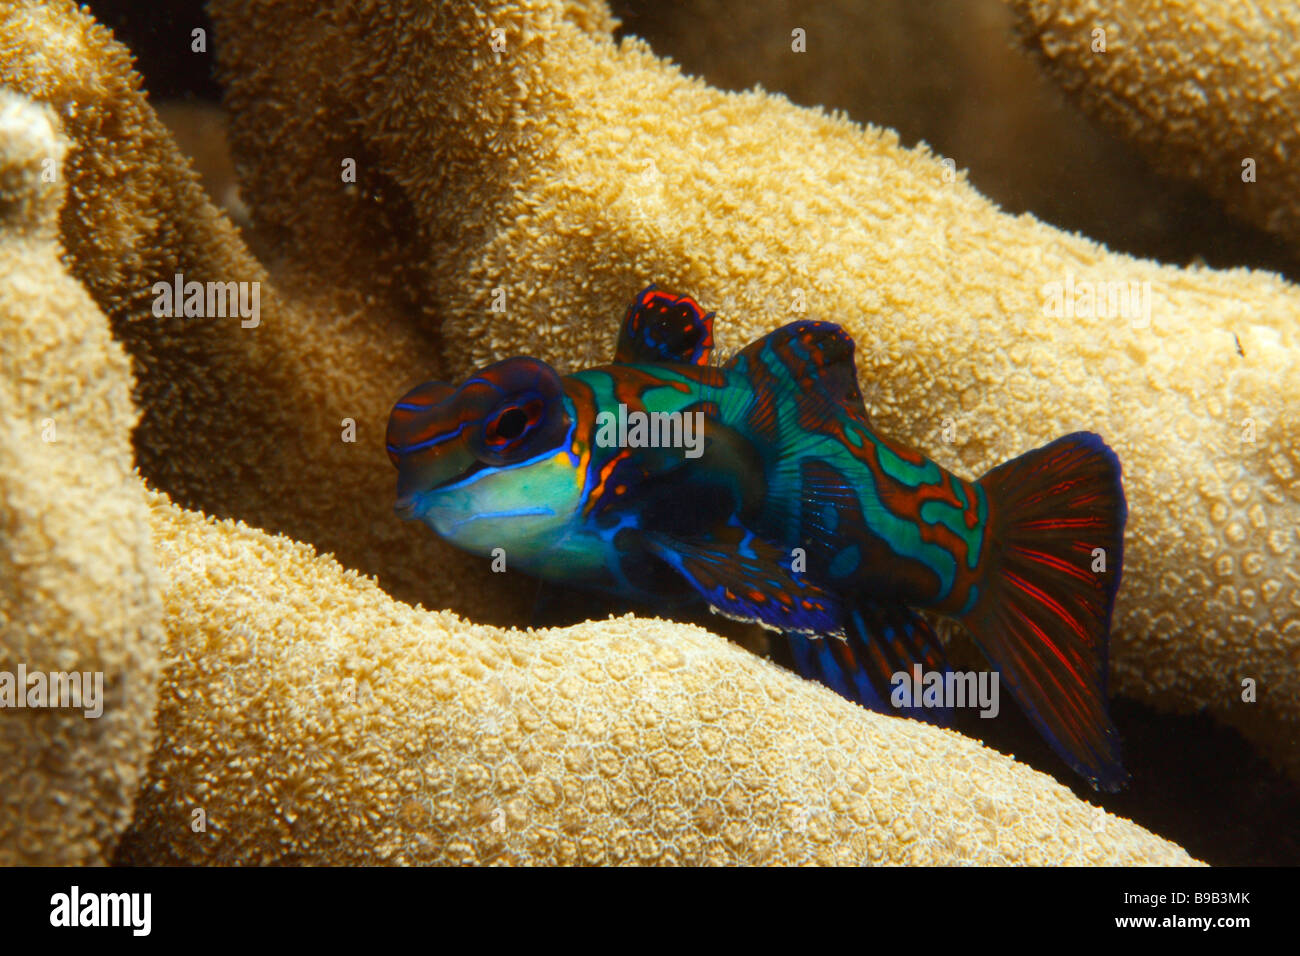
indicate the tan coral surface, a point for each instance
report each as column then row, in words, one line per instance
column 1202, row 88
column 381, row 733
column 231, row 417
column 79, row 586
column 562, row 173
column 565, row 171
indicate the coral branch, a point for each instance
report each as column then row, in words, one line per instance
column 314, row 717
column 562, row 173
column 377, row 732
column 79, row 585
column 1208, row 91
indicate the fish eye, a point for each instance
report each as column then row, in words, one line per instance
column 513, row 411
column 512, row 420
column 507, row 430
column 511, row 423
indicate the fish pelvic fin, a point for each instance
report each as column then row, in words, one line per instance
column 882, row 645
column 744, row 577
column 1043, row 607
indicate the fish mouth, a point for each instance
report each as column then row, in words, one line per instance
column 509, row 513
column 408, row 505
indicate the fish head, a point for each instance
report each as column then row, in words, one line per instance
column 488, row 463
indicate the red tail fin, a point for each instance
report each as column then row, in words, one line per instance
column 1043, row 616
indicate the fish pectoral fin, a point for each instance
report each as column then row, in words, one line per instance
column 748, row 578
column 876, row 658
column 661, row 326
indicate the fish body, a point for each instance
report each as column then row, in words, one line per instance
column 760, row 488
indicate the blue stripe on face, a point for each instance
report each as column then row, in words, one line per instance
column 513, row 513
column 492, row 470
column 481, row 381
column 438, row 440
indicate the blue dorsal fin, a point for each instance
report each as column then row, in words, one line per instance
column 819, row 359
column 880, row 642
column 662, row 326
column 748, row 578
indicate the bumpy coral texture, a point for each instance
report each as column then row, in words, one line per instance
column 564, row 170
column 381, row 733
column 234, row 420
column 1200, row 87
column 79, row 585
column 981, row 97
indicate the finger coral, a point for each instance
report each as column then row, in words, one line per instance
column 79, row 585
column 229, row 414
column 531, row 165
column 982, row 97
column 1208, row 91
column 434, row 186
column 378, row 732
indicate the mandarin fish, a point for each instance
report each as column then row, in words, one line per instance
column 760, row 489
